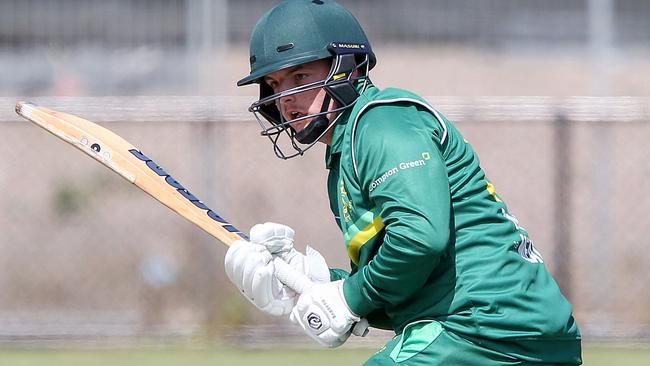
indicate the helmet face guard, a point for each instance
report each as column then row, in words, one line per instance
column 340, row 86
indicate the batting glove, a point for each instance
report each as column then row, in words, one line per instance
column 250, row 267
column 324, row 315
column 278, row 239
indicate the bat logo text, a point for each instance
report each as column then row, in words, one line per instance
column 184, row 192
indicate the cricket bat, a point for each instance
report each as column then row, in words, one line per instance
column 123, row 158
column 129, row 162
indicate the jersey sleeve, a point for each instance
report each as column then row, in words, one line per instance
column 338, row 274
column 400, row 167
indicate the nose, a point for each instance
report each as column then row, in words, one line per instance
column 286, row 100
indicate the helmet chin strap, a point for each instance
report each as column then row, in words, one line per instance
column 317, row 127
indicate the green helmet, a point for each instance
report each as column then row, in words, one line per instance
column 296, row 32
column 299, row 31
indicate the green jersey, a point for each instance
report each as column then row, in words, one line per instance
column 429, row 238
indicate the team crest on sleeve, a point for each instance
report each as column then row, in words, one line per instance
column 346, row 203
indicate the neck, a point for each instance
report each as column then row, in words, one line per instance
column 327, row 137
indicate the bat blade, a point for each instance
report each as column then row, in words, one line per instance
column 129, row 162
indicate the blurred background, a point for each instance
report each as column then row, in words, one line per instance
column 553, row 94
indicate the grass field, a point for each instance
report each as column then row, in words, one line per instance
column 593, row 356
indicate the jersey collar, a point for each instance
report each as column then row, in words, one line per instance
column 333, row 151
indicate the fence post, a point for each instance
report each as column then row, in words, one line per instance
column 563, row 207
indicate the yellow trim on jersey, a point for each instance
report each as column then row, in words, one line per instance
column 493, row 192
column 362, row 237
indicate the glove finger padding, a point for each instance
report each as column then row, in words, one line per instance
column 238, row 257
column 269, row 294
column 249, row 266
column 277, row 238
column 316, row 267
column 254, row 265
column 312, row 264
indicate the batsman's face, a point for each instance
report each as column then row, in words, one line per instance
column 305, row 103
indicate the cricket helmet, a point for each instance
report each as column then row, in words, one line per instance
column 296, row 32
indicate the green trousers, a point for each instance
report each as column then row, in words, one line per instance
column 427, row 343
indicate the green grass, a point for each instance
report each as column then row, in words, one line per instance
column 602, row 355
column 593, row 356
column 177, row 357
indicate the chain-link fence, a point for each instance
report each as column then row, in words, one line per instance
column 85, row 255
column 191, row 23
column 135, row 47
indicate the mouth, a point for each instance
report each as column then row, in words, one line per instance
column 299, row 125
column 295, row 115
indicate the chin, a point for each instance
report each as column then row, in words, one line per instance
column 301, row 125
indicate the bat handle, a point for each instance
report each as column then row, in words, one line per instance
column 361, row 328
column 300, row 283
column 291, row 277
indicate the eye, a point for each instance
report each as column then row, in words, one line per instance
column 271, row 82
column 301, row 76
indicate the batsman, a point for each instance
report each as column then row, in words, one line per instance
column 435, row 255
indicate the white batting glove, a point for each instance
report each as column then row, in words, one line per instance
column 278, row 239
column 324, row 315
column 250, row 267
